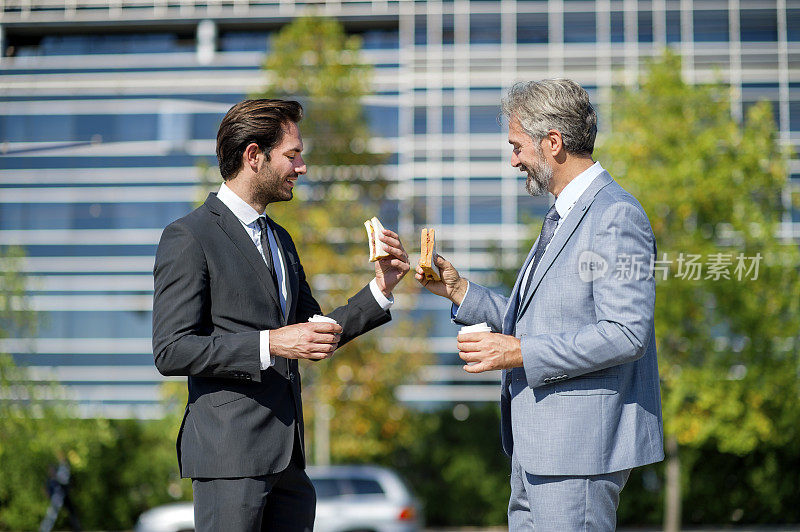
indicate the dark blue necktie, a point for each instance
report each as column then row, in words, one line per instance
column 548, row 229
column 263, row 225
column 281, row 364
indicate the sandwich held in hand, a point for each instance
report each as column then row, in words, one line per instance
column 427, row 254
column 374, row 232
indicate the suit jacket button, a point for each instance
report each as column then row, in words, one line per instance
column 291, row 377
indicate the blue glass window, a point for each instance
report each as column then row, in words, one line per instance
column 776, row 110
column 759, row 25
column 532, row 28
column 244, row 41
column 710, row 26
column 448, row 210
column 94, row 324
column 103, row 250
column 383, row 120
column 122, row 43
column 205, row 125
column 617, row 26
column 448, row 119
column 483, row 119
column 420, row 120
column 78, row 128
column 645, row 19
column 580, row 27
column 794, row 116
column 484, row 28
column 135, row 161
column 381, row 39
column 485, row 210
column 420, row 30
column 448, row 29
column 673, row 20
column 90, row 215
column 793, row 24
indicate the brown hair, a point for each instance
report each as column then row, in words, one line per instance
column 260, row 121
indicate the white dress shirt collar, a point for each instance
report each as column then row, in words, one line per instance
column 243, row 211
column 575, row 189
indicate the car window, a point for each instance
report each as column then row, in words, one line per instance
column 326, row 487
column 365, row 486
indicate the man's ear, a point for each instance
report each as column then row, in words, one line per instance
column 554, row 143
column 250, row 157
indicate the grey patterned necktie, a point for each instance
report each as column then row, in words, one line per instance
column 548, row 230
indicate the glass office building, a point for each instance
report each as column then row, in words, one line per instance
column 109, row 107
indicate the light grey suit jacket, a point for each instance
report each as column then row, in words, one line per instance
column 587, row 400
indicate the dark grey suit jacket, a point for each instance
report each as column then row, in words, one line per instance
column 213, row 294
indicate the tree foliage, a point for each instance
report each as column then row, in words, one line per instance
column 728, row 343
column 314, row 61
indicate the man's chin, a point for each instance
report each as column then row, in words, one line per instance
column 534, row 188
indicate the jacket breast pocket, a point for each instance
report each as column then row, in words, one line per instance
column 606, row 385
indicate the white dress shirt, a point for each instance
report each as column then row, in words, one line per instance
column 247, row 215
column 566, row 201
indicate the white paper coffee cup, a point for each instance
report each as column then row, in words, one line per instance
column 477, row 328
column 319, row 318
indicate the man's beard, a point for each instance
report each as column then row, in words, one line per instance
column 269, row 187
column 539, row 176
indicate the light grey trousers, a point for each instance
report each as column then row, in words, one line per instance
column 546, row 503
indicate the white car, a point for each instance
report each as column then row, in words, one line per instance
column 349, row 499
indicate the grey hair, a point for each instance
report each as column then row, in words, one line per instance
column 559, row 104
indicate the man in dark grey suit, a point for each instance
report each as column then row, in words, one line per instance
column 230, row 311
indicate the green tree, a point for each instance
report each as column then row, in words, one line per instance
column 129, row 465
column 712, row 187
column 349, row 400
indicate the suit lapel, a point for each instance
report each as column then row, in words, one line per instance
column 563, row 234
column 513, row 301
column 233, row 228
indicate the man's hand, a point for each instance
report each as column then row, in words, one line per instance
column 452, row 286
column 312, row 341
column 389, row 270
column 489, row 351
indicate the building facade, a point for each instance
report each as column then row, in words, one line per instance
column 109, row 110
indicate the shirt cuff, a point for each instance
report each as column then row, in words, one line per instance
column 454, row 308
column 384, row 303
column 267, row 360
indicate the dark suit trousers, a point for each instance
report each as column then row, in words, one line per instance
column 282, row 502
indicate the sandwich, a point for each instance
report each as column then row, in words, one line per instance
column 374, row 230
column 427, row 255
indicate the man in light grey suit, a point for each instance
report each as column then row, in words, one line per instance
column 575, row 340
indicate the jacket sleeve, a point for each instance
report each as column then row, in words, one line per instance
column 182, row 330
column 624, row 307
column 360, row 315
column 482, row 305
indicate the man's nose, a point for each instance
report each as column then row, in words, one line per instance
column 300, row 166
column 514, row 159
